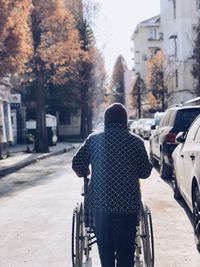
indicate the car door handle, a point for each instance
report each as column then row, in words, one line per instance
column 182, row 156
column 192, row 157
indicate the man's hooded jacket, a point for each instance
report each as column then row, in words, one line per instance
column 118, row 159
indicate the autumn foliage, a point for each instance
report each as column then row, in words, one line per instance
column 155, row 67
column 53, row 44
column 15, row 35
column 155, row 80
column 196, row 63
column 59, row 48
column 117, row 82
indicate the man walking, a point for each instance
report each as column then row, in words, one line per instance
column 117, row 160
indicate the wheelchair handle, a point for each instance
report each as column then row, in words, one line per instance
column 85, row 187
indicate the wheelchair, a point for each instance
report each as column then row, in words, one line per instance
column 83, row 236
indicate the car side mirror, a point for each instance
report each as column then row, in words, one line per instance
column 153, row 127
column 180, row 138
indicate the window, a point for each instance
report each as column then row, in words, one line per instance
column 176, row 77
column 174, row 38
column 198, row 4
column 153, row 51
column 165, row 120
column 175, row 47
column 174, row 7
column 193, row 132
column 184, row 119
column 197, row 137
column 153, row 33
column 172, row 118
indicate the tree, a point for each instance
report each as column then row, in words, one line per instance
column 196, row 65
column 97, row 90
column 117, row 83
column 15, row 42
column 138, row 90
column 15, row 36
column 56, row 52
column 155, row 80
column 85, row 68
column 76, row 90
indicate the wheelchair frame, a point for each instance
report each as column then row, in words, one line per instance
column 83, row 236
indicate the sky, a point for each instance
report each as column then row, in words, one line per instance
column 115, row 24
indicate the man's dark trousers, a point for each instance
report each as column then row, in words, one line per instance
column 115, row 238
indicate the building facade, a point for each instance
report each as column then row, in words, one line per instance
column 147, row 40
column 179, row 19
column 6, row 132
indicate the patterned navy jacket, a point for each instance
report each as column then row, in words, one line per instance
column 118, row 159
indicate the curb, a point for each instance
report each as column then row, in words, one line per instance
column 22, row 164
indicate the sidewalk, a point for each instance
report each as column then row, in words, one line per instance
column 19, row 158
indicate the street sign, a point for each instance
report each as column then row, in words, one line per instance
column 15, row 101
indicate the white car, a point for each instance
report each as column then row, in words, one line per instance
column 186, row 172
column 145, row 130
column 138, row 125
column 156, row 121
column 133, row 126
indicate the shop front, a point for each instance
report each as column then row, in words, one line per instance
column 6, row 132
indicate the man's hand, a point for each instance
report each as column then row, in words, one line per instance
column 83, row 174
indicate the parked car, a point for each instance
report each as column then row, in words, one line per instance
column 129, row 124
column 156, row 121
column 51, row 125
column 163, row 143
column 145, row 130
column 140, row 124
column 133, row 126
column 186, row 174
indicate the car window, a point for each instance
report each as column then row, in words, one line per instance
column 193, row 131
column 164, row 118
column 184, row 119
column 172, row 118
column 197, row 136
column 158, row 119
column 167, row 119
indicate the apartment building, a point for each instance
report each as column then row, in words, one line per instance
column 147, row 40
column 179, row 19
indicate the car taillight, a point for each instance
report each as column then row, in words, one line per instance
column 171, row 138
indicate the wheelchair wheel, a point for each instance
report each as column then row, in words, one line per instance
column 77, row 236
column 146, row 230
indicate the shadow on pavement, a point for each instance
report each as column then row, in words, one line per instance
column 181, row 201
column 29, row 177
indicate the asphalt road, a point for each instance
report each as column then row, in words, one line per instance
column 36, row 206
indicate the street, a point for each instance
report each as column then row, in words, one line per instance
column 36, row 205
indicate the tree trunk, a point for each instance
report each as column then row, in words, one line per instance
column 41, row 142
column 139, row 104
column 89, row 120
column 84, row 130
column 163, row 102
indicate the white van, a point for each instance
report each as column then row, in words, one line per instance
column 51, row 124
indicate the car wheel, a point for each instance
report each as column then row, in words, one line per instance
column 177, row 194
column 196, row 212
column 165, row 171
